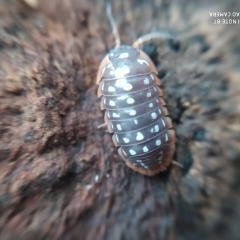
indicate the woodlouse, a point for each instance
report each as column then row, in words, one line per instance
column 135, row 111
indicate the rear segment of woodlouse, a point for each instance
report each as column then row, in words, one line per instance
column 135, row 111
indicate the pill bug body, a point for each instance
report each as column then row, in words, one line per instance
column 135, row 111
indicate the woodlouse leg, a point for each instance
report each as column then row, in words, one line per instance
column 106, row 126
column 103, row 125
column 177, row 164
column 114, row 138
column 109, row 127
column 161, row 34
column 120, row 152
column 108, row 123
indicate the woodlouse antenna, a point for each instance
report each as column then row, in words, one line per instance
column 103, row 125
column 163, row 35
column 113, row 25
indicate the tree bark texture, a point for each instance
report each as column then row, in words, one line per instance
column 61, row 177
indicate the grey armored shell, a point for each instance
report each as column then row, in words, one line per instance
column 135, row 111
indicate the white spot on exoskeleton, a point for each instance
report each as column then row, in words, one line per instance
column 150, row 105
column 145, row 149
column 158, row 142
column 123, row 55
column 146, row 81
column 156, row 128
column 119, row 127
column 123, row 97
column 121, row 71
column 153, row 115
column 130, row 100
column 135, row 121
column 112, row 103
column 166, row 137
column 132, row 112
column 132, row 152
column 149, row 94
column 123, row 83
column 139, row 136
column 116, row 115
column 126, row 140
column 128, row 87
column 111, row 89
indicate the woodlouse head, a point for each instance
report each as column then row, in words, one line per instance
column 127, row 60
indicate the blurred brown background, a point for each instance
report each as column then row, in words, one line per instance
column 61, row 178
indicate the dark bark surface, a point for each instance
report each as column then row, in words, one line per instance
column 60, row 176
